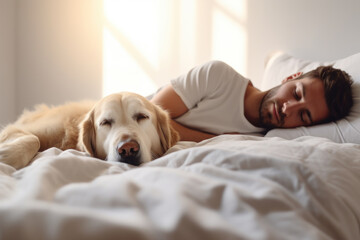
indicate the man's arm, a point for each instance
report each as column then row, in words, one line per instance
column 169, row 100
column 189, row 134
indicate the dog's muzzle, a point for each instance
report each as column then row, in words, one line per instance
column 129, row 152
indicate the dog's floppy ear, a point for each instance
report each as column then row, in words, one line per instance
column 87, row 135
column 168, row 135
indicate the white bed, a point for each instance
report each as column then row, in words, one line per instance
column 228, row 187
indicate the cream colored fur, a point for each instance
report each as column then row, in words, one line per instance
column 80, row 126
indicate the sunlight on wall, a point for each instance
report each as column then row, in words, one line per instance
column 148, row 42
column 130, row 45
column 229, row 33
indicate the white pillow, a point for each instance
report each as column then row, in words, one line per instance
column 347, row 130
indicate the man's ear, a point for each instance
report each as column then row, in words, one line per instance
column 168, row 135
column 291, row 77
column 87, row 135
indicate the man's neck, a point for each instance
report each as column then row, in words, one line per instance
column 252, row 102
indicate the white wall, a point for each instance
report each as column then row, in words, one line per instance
column 59, row 55
column 52, row 50
column 7, row 61
column 310, row 29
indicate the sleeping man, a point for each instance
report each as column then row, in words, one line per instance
column 214, row 99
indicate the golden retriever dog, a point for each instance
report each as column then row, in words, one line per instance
column 123, row 127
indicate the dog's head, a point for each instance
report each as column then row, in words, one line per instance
column 126, row 127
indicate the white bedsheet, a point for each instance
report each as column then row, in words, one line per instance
column 228, row 187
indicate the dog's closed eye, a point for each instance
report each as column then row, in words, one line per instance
column 140, row 117
column 106, row 122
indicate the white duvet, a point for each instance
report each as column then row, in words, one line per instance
column 228, row 187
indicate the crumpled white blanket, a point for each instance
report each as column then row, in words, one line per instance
column 228, row 187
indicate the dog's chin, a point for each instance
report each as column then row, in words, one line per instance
column 135, row 161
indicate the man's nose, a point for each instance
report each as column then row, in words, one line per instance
column 291, row 106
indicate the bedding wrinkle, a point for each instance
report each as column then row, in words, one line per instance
column 7, row 183
column 46, row 176
column 228, row 187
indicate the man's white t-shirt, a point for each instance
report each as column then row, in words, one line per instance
column 214, row 94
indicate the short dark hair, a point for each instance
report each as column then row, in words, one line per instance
column 337, row 86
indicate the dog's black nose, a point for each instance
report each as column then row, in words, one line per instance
column 129, row 152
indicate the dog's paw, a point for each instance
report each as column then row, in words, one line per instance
column 20, row 151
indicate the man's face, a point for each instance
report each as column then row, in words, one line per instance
column 295, row 103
